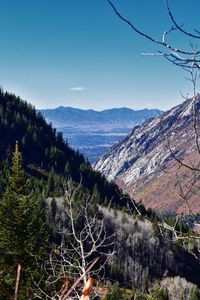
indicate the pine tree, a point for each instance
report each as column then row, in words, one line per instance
column 195, row 294
column 22, row 237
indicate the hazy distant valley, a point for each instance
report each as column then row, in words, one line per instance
column 93, row 132
column 93, row 142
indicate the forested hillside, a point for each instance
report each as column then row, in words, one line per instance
column 46, row 156
column 40, row 143
column 57, row 216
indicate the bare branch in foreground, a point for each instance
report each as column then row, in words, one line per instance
column 19, row 267
column 84, row 242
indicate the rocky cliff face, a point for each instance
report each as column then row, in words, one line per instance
column 143, row 165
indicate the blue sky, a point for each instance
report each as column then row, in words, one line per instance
column 78, row 53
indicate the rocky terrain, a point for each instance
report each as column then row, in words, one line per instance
column 148, row 163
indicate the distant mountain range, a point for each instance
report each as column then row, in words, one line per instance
column 93, row 132
column 69, row 115
column 143, row 165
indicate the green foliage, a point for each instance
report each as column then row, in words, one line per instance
column 115, row 292
column 159, row 294
column 53, row 210
column 41, row 144
column 22, row 237
column 195, row 295
column 116, row 270
column 156, row 293
column 156, row 229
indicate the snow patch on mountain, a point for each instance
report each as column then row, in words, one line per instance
column 147, row 152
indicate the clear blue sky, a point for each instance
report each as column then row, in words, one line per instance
column 78, row 53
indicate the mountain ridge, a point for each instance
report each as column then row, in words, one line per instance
column 93, row 132
column 63, row 114
column 139, row 162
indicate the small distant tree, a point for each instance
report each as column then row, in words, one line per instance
column 22, row 237
column 114, row 292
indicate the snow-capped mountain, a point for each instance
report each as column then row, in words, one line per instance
column 143, row 163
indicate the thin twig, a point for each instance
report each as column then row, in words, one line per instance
column 80, row 278
column 19, row 267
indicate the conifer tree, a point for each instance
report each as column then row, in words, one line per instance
column 22, row 237
column 195, row 295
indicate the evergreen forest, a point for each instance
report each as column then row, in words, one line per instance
column 58, row 217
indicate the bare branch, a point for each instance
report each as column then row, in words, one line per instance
column 19, row 267
column 84, row 241
column 180, row 27
column 80, row 278
column 155, row 41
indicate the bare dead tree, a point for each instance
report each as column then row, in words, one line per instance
column 84, row 240
column 188, row 61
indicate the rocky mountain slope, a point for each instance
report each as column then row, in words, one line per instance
column 93, row 132
column 143, row 165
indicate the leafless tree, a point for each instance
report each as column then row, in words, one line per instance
column 188, row 61
column 84, row 242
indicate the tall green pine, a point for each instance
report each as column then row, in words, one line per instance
column 22, row 237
